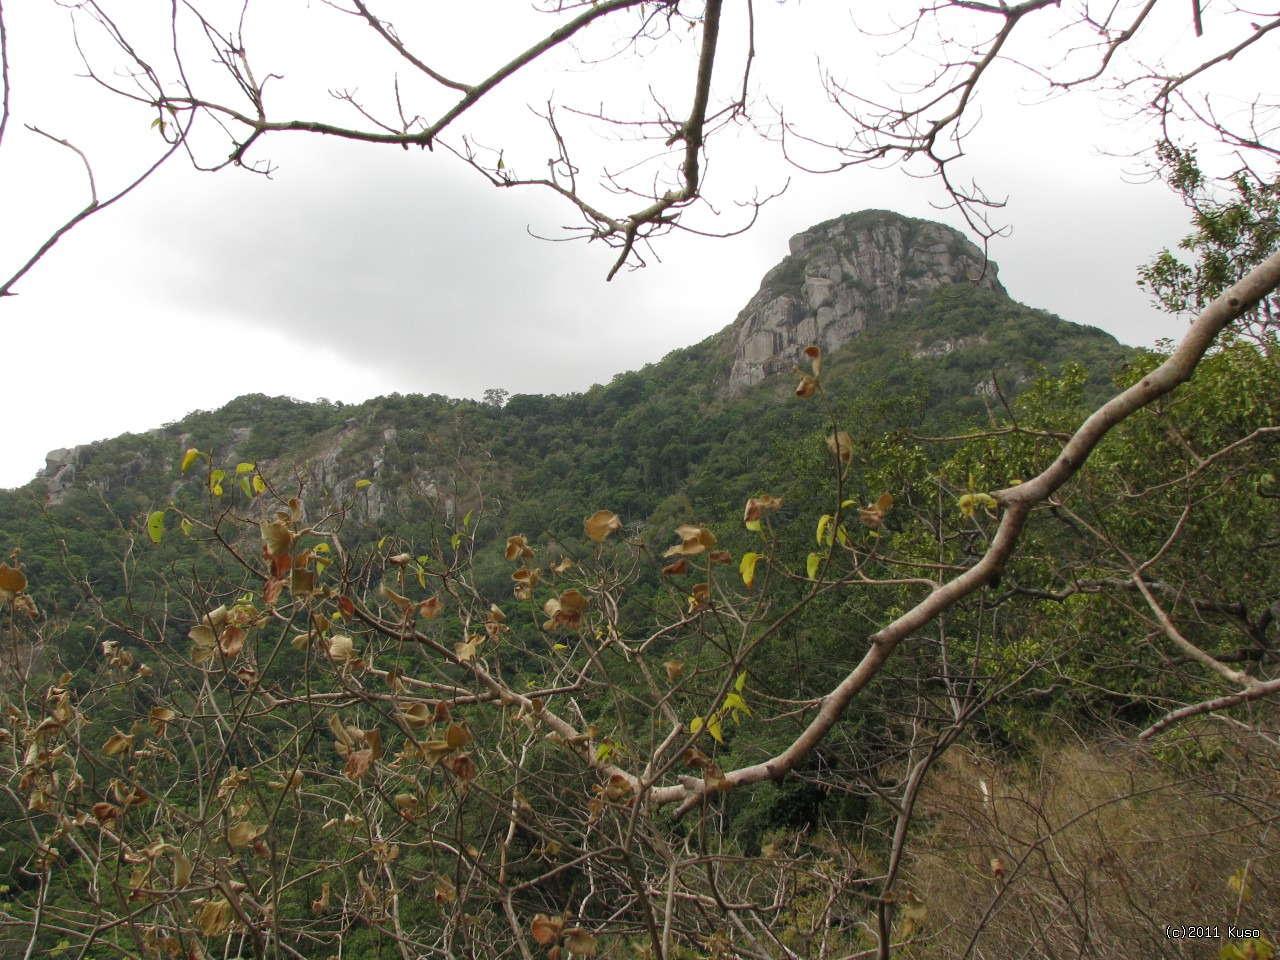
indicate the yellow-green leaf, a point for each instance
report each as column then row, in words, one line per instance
column 361, row 484
column 245, row 468
column 259, row 485
column 812, row 564
column 754, row 526
column 188, row 459
column 155, row 526
column 695, row 724
column 748, row 568
column 734, row 701
column 187, row 527
column 740, row 682
column 823, row 522
column 713, row 728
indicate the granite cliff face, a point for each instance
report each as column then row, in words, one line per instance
column 841, row 277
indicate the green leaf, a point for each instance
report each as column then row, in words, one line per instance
column 455, row 540
column 812, row 564
column 361, row 484
column 244, row 485
column 155, row 526
column 466, row 521
column 187, row 526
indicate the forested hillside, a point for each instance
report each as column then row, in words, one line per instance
column 621, row 673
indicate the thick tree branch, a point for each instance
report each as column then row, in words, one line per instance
column 1017, row 503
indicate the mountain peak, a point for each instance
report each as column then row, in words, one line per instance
column 841, row 276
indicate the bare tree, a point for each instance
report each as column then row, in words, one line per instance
column 214, row 84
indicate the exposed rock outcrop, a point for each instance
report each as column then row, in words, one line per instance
column 842, row 276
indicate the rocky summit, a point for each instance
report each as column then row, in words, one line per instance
column 843, row 276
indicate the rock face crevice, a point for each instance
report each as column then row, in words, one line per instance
column 841, row 277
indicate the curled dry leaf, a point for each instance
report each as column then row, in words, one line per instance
column 693, row 540
column 342, row 649
column 545, row 930
column 231, row 642
column 814, row 353
column 403, row 602
column 416, row 716
column 12, row 581
column 675, row 670
column 118, row 743
column 841, row 446
column 529, row 576
column 564, row 564
column 808, row 385
column 680, row 566
column 758, row 505
column 618, row 788
column 357, row 765
column 602, row 523
column 444, row 890
column 105, row 812
column 462, row 767
column 243, row 834
column 322, row 904
column 182, row 868
column 518, row 547
column 873, row 515
column 160, row 716
column 215, row 917
column 579, row 943
column 564, row 611
column 700, row 597
column 277, row 537
column 302, row 582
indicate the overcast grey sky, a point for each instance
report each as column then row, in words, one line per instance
column 361, row 270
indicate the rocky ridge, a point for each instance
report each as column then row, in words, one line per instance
column 842, row 276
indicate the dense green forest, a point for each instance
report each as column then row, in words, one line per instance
column 526, row 677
